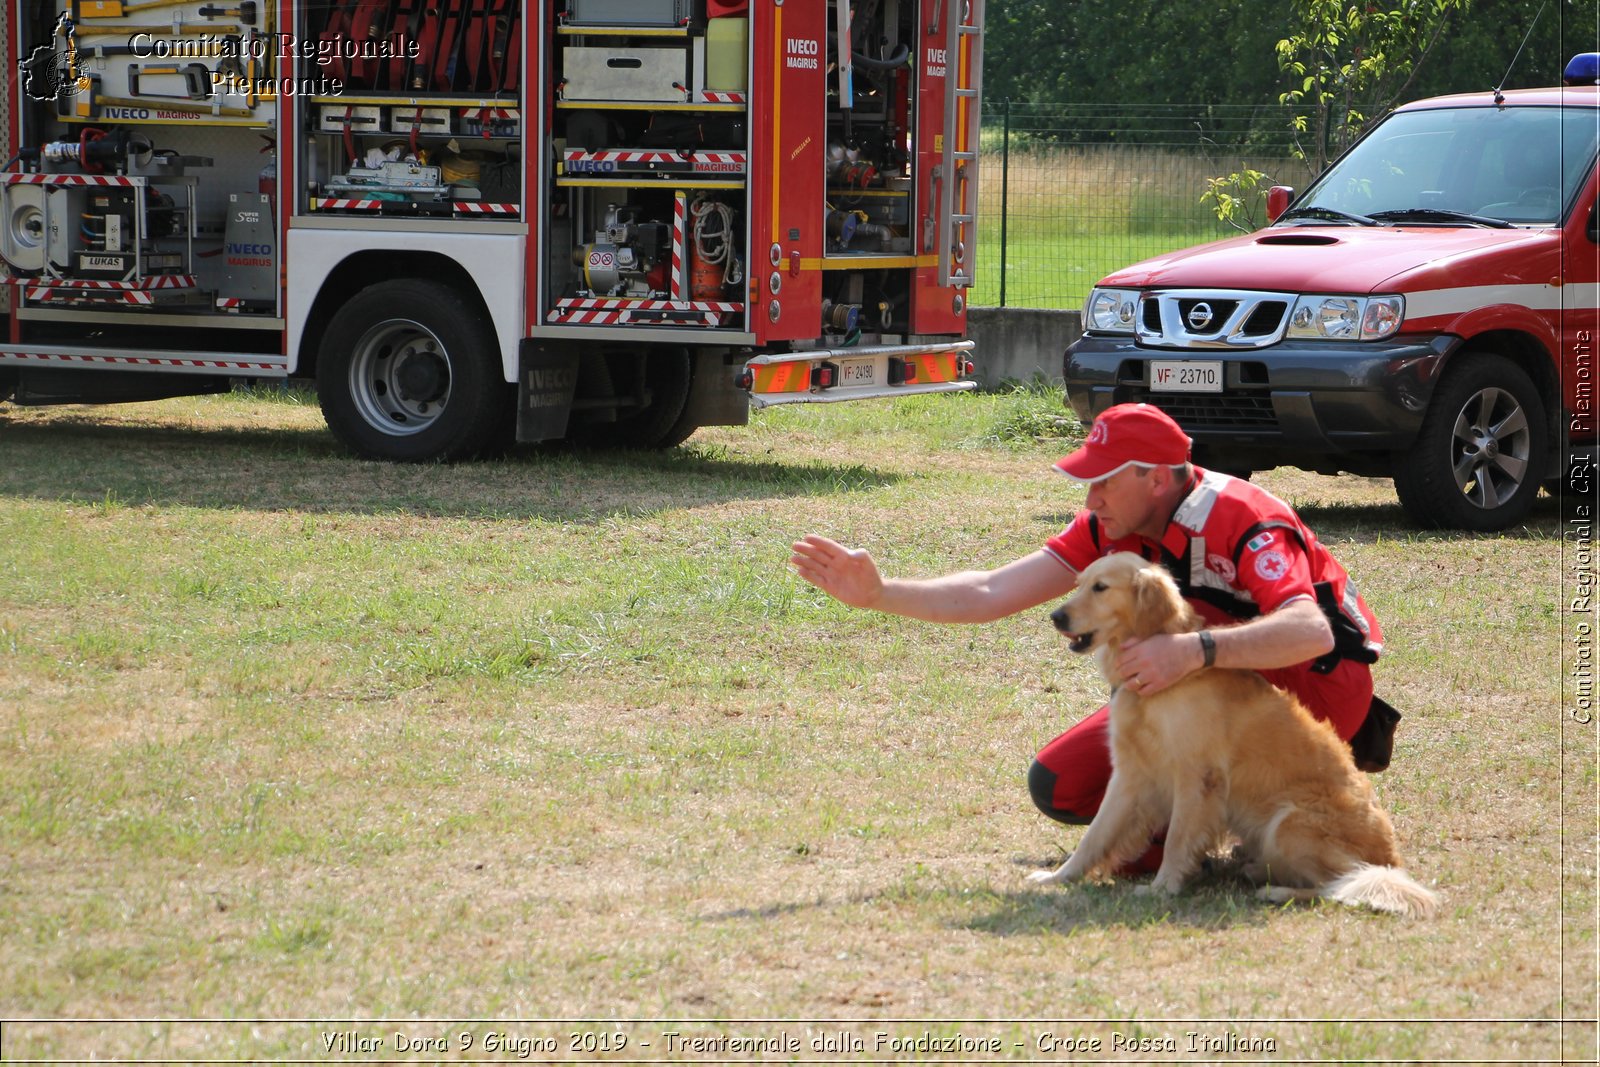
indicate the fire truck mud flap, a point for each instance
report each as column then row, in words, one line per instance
column 547, row 378
column 836, row 375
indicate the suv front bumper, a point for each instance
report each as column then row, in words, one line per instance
column 1325, row 406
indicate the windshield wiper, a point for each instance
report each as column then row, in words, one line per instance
column 1439, row 214
column 1318, row 211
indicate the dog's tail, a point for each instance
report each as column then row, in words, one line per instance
column 1382, row 888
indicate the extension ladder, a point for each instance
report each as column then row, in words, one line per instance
column 958, row 191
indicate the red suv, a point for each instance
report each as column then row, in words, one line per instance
column 1425, row 311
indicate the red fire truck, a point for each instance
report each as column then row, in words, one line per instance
column 1425, row 311
column 605, row 220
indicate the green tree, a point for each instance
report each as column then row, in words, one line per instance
column 1352, row 62
column 1508, row 44
column 1131, row 52
column 1137, row 52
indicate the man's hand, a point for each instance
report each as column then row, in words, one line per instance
column 1295, row 633
column 849, row 575
column 1151, row 664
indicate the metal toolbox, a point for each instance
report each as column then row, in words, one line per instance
column 656, row 74
column 633, row 12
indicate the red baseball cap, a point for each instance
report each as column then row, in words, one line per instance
column 1124, row 435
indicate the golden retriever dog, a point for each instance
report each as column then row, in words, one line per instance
column 1223, row 752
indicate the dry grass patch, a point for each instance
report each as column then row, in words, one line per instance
column 288, row 735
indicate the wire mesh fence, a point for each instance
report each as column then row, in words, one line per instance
column 1069, row 193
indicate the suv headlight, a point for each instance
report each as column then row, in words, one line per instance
column 1111, row 310
column 1346, row 318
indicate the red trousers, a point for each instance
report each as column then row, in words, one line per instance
column 1069, row 776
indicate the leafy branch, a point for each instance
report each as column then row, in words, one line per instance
column 1348, row 64
column 1235, row 197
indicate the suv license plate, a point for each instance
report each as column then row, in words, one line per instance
column 858, row 372
column 1185, row 376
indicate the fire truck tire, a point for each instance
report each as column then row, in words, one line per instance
column 684, row 426
column 661, row 423
column 407, row 372
column 1479, row 460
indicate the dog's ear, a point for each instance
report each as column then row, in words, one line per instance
column 1156, row 604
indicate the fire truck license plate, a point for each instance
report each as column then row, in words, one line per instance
column 858, row 372
column 1185, row 376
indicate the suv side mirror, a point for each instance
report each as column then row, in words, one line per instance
column 1279, row 197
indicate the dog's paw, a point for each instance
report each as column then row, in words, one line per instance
column 1046, row 877
column 1277, row 894
column 1159, row 888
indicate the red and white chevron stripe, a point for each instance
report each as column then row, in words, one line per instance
column 475, row 207
column 155, row 281
column 345, row 204
column 79, row 296
column 708, row 96
column 85, row 290
column 601, row 311
column 679, row 217
column 628, row 317
column 139, row 361
column 623, row 303
column 97, row 180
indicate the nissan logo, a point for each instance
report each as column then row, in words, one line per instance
column 1199, row 316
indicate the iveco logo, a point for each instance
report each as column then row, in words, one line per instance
column 1199, row 316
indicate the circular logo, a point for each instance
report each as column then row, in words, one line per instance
column 1222, row 566
column 1200, row 316
column 1272, row 565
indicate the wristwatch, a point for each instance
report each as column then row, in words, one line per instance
column 1208, row 645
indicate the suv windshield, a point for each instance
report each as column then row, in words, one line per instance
column 1520, row 165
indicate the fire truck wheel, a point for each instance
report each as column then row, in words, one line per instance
column 407, row 373
column 1479, row 460
column 683, row 427
column 660, row 423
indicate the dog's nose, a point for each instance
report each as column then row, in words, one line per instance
column 1059, row 618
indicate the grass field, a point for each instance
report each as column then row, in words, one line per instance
column 1075, row 213
column 293, row 744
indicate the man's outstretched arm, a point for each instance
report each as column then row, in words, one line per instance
column 850, row 576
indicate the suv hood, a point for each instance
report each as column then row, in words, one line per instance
column 1342, row 259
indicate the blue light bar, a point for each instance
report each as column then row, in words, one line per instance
column 1584, row 69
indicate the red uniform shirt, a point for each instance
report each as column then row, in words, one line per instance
column 1237, row 551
